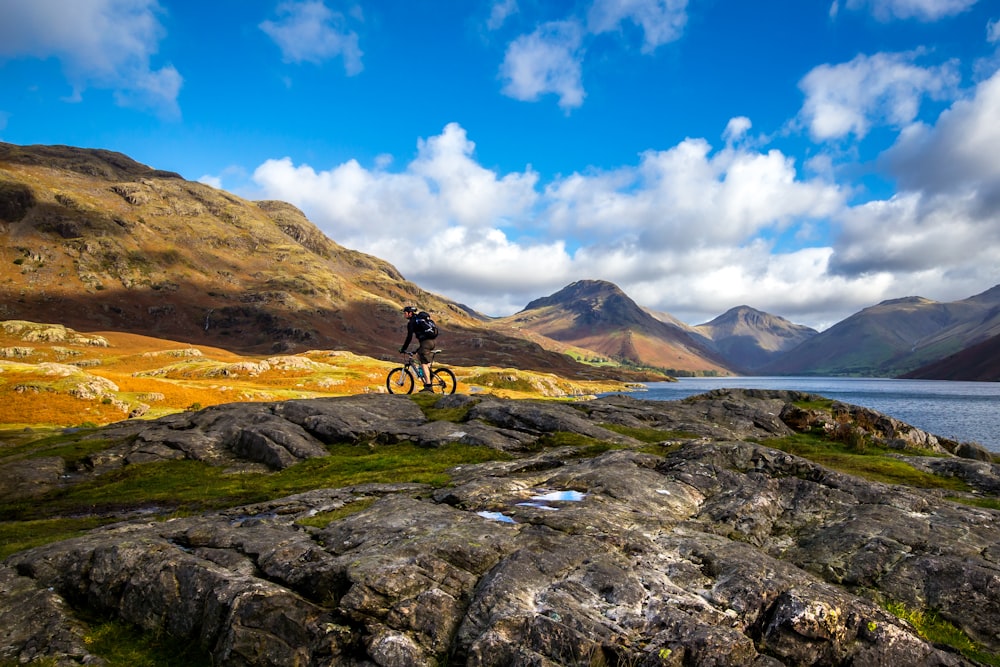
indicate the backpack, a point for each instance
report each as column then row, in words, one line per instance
column 424, row 327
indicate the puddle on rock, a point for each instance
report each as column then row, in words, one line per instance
column 496, row 516
column 538, row 501
column 565, row 496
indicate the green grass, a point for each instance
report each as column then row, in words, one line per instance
column 323, row 519
column 182, row 487
column 873, row 464
column 987, row 503
column 936, row 630
column 427, row 402
column 49, row 442
column 502, row 380
column 124, row 645
column 819, row 404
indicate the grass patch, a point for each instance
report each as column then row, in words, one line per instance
column 819, row 404
column 502, row 380
column 585, row 445
column 427, row 403
column 13, row 436
column 323, row 519
column 874, row 464
column 20, row 535
column 181, row 487
column 937, row 630
column 125, row 645
column 974, row 501
column 70, row 447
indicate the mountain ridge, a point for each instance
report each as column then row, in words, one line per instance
column 597, row 315
column 894, row 337
column 96, row 240
column 750, row 338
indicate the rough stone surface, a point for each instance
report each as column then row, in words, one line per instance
column 713, row 550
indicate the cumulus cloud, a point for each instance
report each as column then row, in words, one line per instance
column 921, row 10
column 883, row 89
column 691, row 229
column 106, row 44
column 311, row 32
column 673, row 225
column 548, row 61
column 943, row 225
column 957, row 155
column 687, row 197
column 662, row 21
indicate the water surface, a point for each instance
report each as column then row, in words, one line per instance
column 963, row 411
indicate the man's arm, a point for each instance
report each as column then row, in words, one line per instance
column 409, row 336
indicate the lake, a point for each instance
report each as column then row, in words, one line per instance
column 963, row 411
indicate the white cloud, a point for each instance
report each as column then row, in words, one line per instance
column 943, row 226
column 675, row 224
column 689, row 230
column 548, row 61
column 958, row 155
column 105, row 44
column 736, row 129
column 922, row 10
column 311, row 32
column 993, row 31
column 687, row 198
column 886, row 88
column 500, row 12
column 662, row 21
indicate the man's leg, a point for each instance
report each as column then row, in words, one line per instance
column 424, row 352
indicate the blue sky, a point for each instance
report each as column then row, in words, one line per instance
column 805, row 158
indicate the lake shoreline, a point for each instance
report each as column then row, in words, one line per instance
column 959, row 410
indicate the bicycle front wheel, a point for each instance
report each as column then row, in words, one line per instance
column 399, row 381
column 444, row 381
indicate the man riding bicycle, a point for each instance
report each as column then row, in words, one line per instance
column 416, row 328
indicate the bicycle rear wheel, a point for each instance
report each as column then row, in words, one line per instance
column 444, row 381
column 399, row 381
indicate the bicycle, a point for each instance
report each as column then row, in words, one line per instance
column 401, row 380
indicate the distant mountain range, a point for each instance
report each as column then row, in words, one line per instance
column 96, row 241
column 897, row 337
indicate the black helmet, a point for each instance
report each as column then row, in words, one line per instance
column 410, row 309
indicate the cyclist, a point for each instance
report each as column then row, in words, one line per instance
column 413, row 330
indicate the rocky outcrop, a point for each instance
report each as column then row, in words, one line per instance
column 707, row 548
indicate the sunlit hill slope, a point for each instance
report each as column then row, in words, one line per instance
column 98, row 242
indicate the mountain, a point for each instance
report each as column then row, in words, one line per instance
column 980, row 362
column 96, row 241
column 596, row 315
column 748, row 338
column 894, row 337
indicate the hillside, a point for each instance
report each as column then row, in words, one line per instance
column 980, row 363
column 596, row 315
column 749, row 338
column 98, row 242
column 893, row 337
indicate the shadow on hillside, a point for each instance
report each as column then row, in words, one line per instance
column 272, row 322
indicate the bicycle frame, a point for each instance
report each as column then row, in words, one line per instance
column 401, row 380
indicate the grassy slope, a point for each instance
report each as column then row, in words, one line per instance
column 52, row 376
